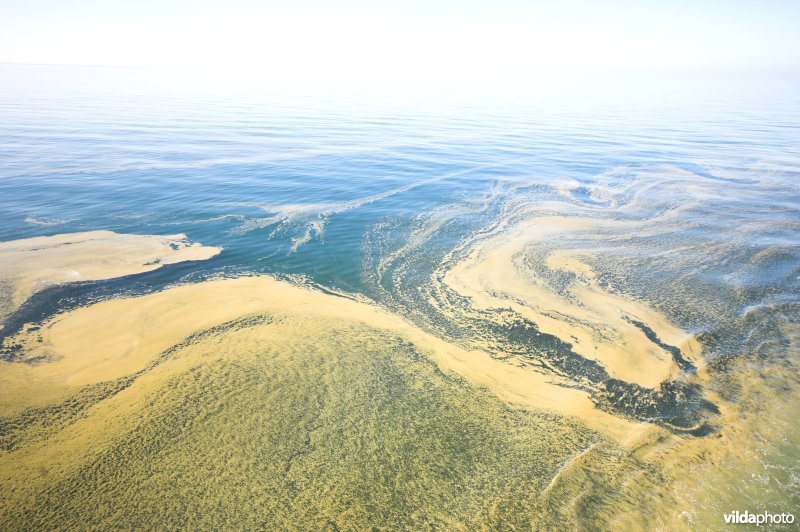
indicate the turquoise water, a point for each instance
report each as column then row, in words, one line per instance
column 376, row 196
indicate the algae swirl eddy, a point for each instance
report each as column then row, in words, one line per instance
column 267, row 312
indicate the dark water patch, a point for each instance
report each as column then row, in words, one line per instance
column 519, row 336
column 676, row 405
column 60, row 298
column 676, row 353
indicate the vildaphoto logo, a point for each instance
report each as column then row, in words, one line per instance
column 763, row 518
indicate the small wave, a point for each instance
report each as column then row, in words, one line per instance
column 44, row 220
column 313, row 217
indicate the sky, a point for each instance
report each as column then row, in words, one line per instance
column 411, row 40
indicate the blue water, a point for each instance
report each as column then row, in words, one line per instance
column 250, row 171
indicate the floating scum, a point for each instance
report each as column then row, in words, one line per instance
column 29, row 265
column 253, row 401
column 272, row 403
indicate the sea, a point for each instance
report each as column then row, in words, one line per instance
column 694, row 180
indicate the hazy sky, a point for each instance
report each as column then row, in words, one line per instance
column 409, row 39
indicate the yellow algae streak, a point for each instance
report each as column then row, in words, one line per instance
column 597, row 323
column 32, row 264
column 251, row 402
column 111, row 339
